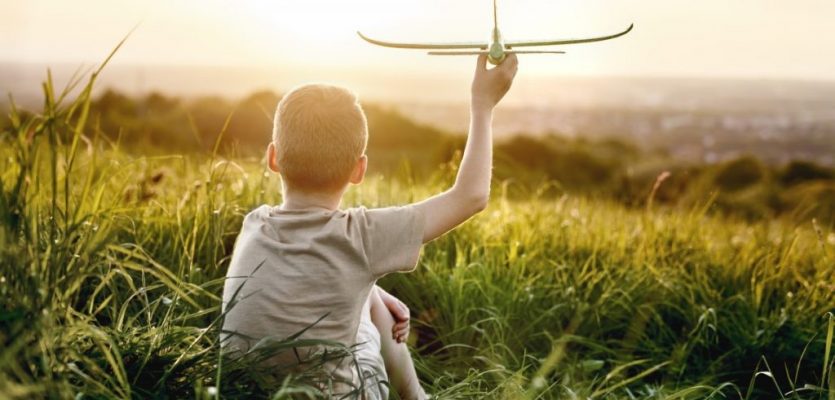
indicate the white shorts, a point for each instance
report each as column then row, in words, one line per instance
column 370, row 359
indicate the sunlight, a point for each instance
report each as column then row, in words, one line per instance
column 312, row 21
column 722, row 39
column 317, row 22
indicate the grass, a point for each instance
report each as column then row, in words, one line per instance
column 112, row 264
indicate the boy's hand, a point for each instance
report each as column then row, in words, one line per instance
column 400, row 312
column 490, row 85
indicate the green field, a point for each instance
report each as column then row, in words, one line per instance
column 113, row 265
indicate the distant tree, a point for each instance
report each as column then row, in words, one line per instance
column 573, row 164
column 390, row 129
column 252, row 122
column 739, row 173
column 208, row 115
column 156, row 102
column 113, row 102
column 799, row 171
column 394, row 141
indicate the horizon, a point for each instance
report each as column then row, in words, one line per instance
column 23, row 79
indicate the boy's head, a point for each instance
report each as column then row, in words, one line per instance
column 319, row 139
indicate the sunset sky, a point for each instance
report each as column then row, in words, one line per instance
column 705, row 38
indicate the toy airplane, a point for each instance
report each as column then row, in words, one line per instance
column 497, row 49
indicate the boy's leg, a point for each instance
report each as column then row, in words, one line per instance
column 399, row 367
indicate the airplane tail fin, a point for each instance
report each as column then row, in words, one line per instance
column 495, row 16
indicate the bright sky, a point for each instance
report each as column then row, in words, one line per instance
column 704, row 38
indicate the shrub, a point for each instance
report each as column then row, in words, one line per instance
column 740, row 173
column 799, row 171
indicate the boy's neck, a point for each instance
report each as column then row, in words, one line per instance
column 297, row 200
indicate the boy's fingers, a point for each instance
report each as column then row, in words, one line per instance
column 400, row 332
column 481, row 63
column 402, row 312
column 398, row 310
column 511, row 63
column 400, row 335
column 400, row 326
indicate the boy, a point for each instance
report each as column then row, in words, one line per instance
column 307, row 260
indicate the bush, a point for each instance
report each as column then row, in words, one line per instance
column 740, row 173
column 800, row 171
column 573, row 164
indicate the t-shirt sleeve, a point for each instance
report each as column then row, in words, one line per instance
column 392, row 238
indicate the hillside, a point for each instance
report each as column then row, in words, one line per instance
column 113, row 261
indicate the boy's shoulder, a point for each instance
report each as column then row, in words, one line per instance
column 407, row 213
column 389, row 237
column 392, row 236
column 368, row 223
column 387, row 218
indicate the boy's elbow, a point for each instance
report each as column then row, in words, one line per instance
column 478, row 203
column 471, row 201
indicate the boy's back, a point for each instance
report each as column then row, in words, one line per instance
column 307, row 259
column 292, row 267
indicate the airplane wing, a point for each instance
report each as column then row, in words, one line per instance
column 533, row 52
column 426, row 46
column 510, row 45
column 473, row 53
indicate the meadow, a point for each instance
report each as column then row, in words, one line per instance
column 112, row 265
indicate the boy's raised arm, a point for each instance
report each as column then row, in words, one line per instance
column 471, row 190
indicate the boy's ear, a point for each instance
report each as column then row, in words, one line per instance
column 359, row 170
column 272, row 155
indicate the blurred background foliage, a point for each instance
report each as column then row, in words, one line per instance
column 553, row 164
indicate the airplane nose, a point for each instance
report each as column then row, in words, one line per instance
column 496, row 60
column 497, row 54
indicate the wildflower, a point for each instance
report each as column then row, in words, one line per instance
column 538, row 382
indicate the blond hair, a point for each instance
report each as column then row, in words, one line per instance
column 320, row 133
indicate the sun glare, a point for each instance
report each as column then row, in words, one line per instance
column 312, row 21
column 316, row 22
column 326, row 31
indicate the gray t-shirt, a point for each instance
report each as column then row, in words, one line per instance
column 301, row 265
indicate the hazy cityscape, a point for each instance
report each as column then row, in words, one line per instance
column 698, row 120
